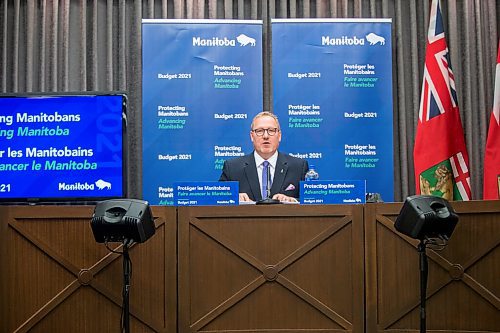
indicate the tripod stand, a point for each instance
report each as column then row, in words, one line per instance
column 127, row 274
column 424, row 273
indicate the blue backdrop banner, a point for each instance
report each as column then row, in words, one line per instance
column 202, row 84
column 332, row 90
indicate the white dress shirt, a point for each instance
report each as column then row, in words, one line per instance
column 272, row 165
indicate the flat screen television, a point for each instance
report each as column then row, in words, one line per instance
column 62, row 147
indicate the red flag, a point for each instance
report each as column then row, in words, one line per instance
column 440, row 154
column 491, row 189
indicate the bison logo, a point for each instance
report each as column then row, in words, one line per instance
column 244, row 40
column 101, row 184
column 374, row 39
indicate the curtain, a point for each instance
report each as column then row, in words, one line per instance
column 95, row 45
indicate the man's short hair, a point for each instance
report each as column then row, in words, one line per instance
column 265, row 114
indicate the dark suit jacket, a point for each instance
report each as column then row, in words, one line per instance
column 289, row 172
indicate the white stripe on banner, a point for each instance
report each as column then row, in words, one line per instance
column 333, row 20
column 201, row 21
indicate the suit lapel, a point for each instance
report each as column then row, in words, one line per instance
column 253, row 177
column 279, row 173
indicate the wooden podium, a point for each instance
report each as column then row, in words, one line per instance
column 271, row 269
column 279, row 268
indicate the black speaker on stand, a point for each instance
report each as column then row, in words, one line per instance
column 126, row 221
column 432, row 220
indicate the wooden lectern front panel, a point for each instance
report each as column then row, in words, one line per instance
column 277, row 268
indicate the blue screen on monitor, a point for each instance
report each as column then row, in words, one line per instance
column 62, row 147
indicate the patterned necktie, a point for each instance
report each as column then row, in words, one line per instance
column 265, row 176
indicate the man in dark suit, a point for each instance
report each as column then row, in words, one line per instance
column 254, row 171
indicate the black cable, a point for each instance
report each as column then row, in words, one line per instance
column 110, row 249
column 127, row 275
column 436, row 244
column 424, row 269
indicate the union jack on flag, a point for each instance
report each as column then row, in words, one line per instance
column 440, row 154
column 438, row 90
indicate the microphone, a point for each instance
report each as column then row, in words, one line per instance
column 268, row 200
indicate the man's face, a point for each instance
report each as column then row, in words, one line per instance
column 265, row 145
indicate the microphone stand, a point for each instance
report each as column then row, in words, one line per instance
column 268, row 200
column 127, row 273
column 424, row 272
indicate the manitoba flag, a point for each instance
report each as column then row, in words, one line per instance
column 440, row 155
column 491, row 187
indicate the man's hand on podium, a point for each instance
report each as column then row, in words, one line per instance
column 244, row 197
column 284, row 198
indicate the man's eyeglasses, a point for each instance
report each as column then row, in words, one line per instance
column 270, row 131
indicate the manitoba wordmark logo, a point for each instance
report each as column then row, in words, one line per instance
column 78, row 186
column 85, row 186
column 240, row 40
column 343, row 40
column 371, row 38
